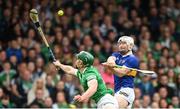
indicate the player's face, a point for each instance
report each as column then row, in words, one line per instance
column 123, row 47
column 79, row 63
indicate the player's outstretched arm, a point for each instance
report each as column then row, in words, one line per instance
column 66, row 68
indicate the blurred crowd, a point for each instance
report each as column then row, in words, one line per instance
column 29, row 79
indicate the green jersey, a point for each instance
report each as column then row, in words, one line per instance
column 89, row 74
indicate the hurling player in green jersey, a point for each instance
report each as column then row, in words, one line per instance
column 91, row 81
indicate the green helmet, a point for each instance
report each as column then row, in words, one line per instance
column 86, row 58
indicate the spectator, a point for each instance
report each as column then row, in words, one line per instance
column 138, row 93
column 137, row 104
column 38, row 84
column 61, row 87
column 171, row 76
column 178, row 85
column 96, row 51
column 1, row 93
column 154, row 105
column 51, row 70
column 39, row 100
column 86, row 26
column 98, row 65
column 166, row 37
column 164, row 83
column 163, row 103
column 87, row 42
column 156, row 98
column 71, row 88
column 31, row 67
column 14, row 50
column 146, row 102
column 48, row 102
column 39, row 71
column 21, row 87
column 13, row 62
column 106, row 49
column 30, row 37
column 146, row 86
column 31, row 55
column 163, row 94
column 6, row 76
column 2, row 58
column 50, row 87
column 107, row 25
column 5, row 102
column 96, row 34
column 175, row 102
column 61, row 102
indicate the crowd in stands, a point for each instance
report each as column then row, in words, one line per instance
column 29, row 79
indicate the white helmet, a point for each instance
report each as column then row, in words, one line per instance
column 129, row 40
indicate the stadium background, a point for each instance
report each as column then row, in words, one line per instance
column 28, row 78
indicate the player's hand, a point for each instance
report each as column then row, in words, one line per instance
column 80, row 98
column 109, row 64
column 57, row 63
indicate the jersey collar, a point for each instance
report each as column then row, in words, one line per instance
column 84, row 70
column 129, row 53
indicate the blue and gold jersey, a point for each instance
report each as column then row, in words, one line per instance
column 127, row 80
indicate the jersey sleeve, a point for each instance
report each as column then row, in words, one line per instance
column 133, row 62
column 90, row 76
column 115, row 54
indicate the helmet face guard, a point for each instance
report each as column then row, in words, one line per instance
column 128, row 40
column 86, row 58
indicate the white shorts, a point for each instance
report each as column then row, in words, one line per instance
column 127, row 94
column 107, row 101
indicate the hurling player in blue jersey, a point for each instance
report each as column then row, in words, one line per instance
column 123, row 78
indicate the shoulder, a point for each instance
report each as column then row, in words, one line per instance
column 91, row 70
column 116, row 54
column 133, row 61
column 133, row 58
column 91, row 73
